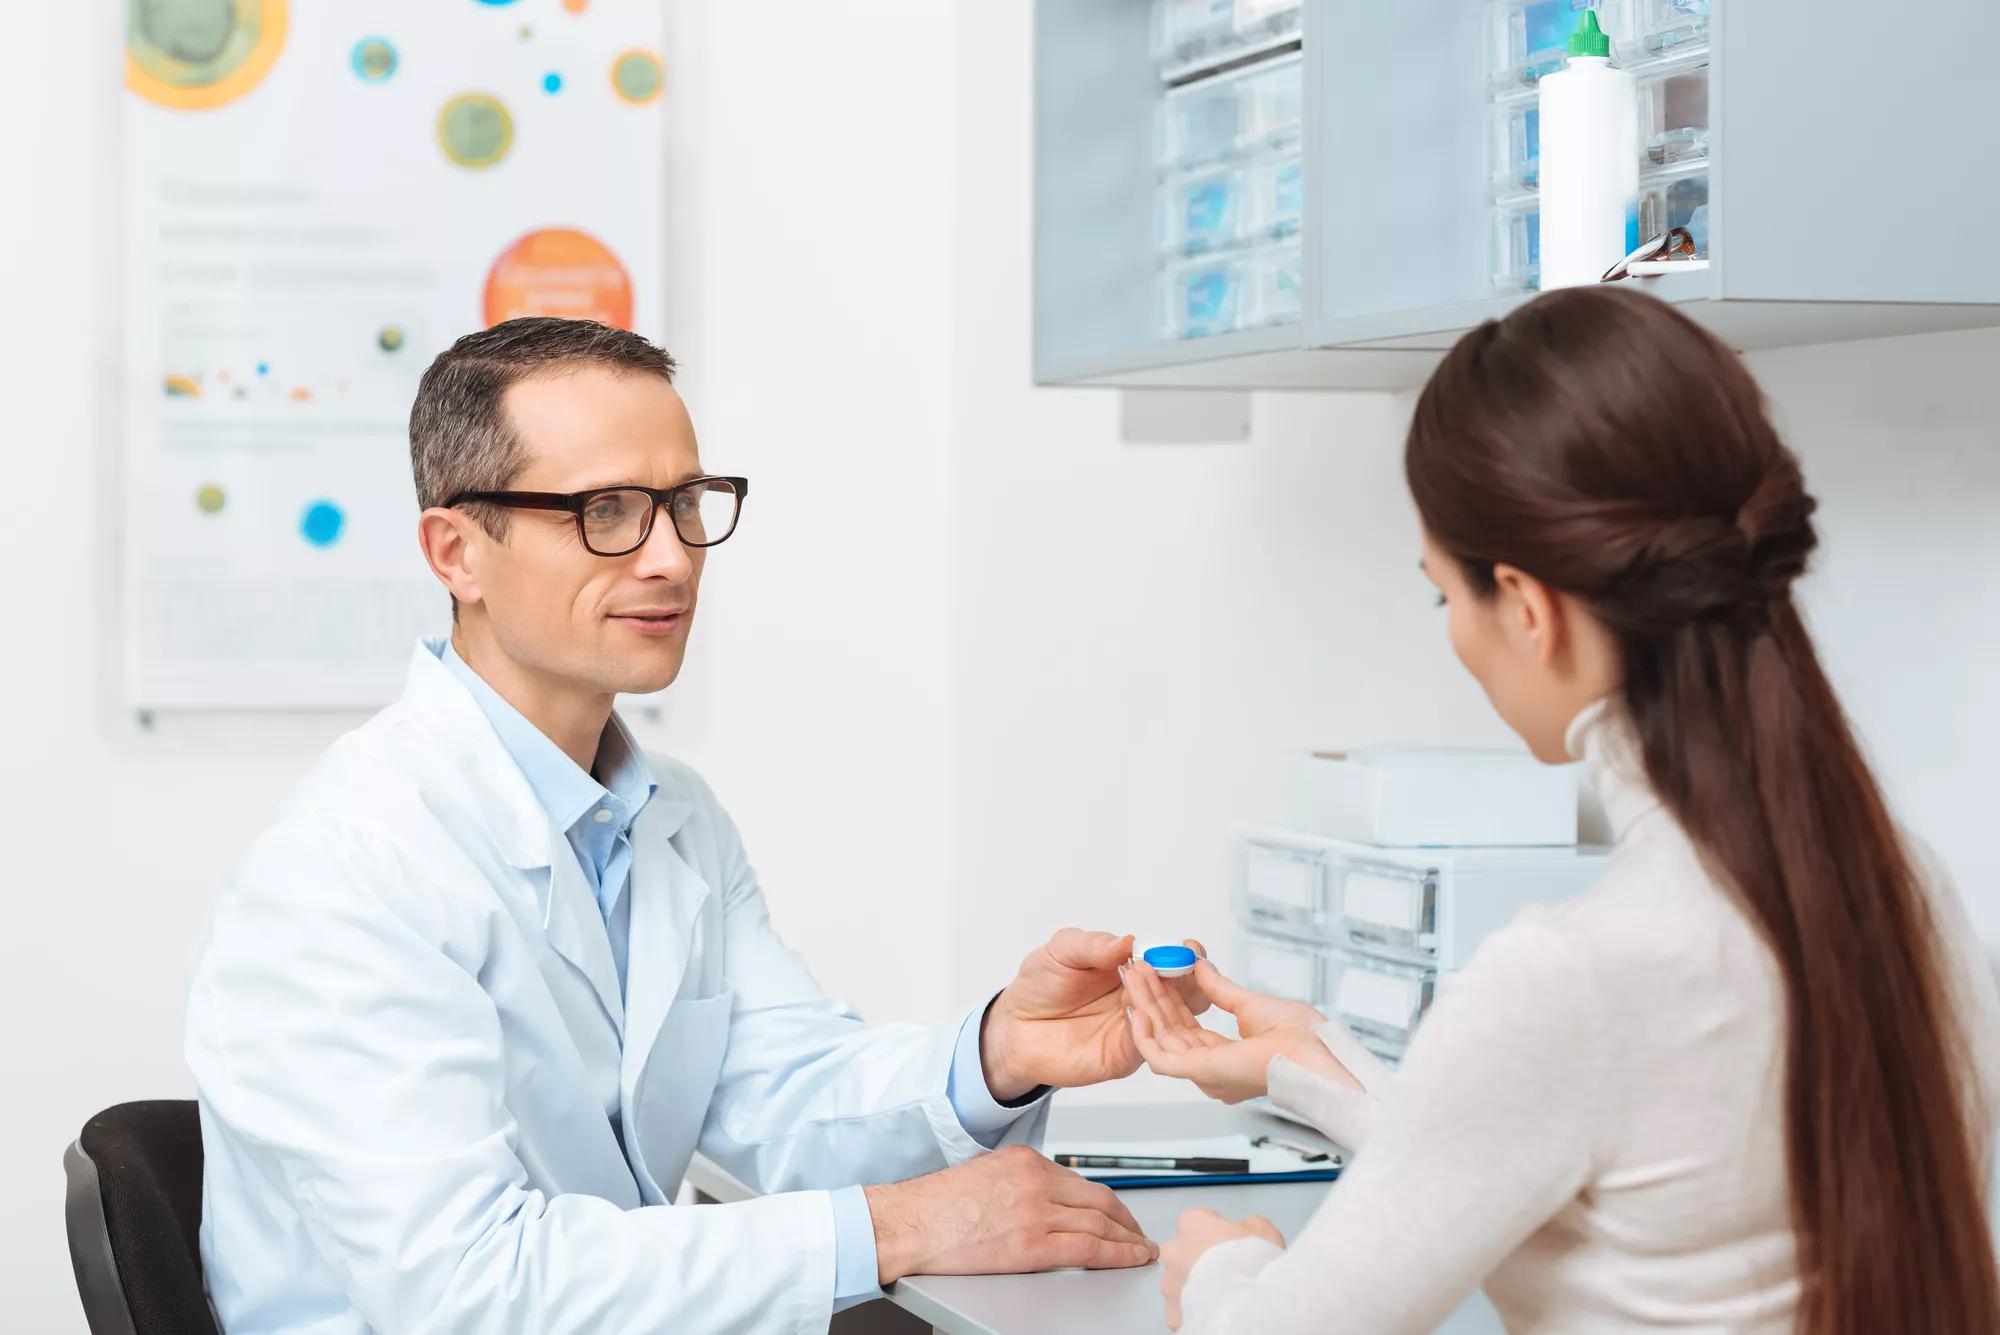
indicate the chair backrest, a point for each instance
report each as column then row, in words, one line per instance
column 134, row 1215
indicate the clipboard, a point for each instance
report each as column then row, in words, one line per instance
column 1139, row 1181
column 1268, row 1164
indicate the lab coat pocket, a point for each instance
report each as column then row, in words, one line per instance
column 678, row 1084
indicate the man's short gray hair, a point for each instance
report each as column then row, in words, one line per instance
column 461, row 438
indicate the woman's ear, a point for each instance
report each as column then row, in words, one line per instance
column 1531, row 616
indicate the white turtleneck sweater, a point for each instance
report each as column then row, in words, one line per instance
column 1590, row 1122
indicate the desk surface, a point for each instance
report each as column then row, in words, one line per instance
column 1097, row 1301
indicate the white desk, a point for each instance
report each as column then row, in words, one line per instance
column 1094, row 1302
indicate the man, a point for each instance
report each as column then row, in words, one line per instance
column 492, row 977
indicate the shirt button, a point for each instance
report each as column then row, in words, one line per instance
column 603, row 815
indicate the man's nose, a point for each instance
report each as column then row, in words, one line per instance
column 662, row 555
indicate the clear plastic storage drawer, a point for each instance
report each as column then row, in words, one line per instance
column 1380, row 1000
column 1233, row 116
column 1382, row 906
column 1278, row 967
column 1280, row 889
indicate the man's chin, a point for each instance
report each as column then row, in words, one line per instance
column 655, row 672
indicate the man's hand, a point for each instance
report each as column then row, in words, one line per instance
column 1009, row 1212
column 1199, row 1231
column 1062, row 1020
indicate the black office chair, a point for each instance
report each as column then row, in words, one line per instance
column 134, row 1213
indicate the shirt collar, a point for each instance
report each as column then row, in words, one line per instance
column 566, row 791
column 1603, row 738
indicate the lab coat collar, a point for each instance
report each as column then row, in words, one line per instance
column 1603, row 738
column 514, row 817
column 525, row 835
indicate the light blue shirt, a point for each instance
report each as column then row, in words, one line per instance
column 596, row 816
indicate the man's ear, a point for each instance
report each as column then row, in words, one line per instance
column 1531, row 615
column 453, row 543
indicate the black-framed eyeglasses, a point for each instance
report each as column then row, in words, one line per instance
column 616, row 521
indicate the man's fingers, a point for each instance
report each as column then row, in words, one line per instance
column 1078, row 949
column 1077, row 1190
column 1074, row 1219
column 1090, row 1252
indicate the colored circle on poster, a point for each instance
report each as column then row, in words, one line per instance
column 495, row 4
column 374, row 59
column 322, row 523
column 475, row 130
column 179, row 386
column 210, row 499
column 552, row 82
column 576, row 6
column 636, row 76
column 194, row 55
column 391, row 339
column 559, row 271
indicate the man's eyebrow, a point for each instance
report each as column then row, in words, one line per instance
column 628, row 482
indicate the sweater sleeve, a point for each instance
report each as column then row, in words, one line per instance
column 1343, row 1115
column 1488, row 1130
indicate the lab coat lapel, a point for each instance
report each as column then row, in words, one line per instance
column 667, row 897
column 575, row 926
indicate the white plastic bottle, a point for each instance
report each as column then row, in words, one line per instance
column 1590, row 161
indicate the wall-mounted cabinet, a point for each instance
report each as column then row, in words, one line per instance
column 1326, row 193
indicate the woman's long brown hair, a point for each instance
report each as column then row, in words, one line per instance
column 1605, row 444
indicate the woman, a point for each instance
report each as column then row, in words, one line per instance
column 1748, row 1081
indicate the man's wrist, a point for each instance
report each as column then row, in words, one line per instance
column 898, row 1250
column 1002, row 1082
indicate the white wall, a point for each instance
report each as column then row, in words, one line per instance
column 1035, row 683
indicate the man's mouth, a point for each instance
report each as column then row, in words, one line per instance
column 655, row 620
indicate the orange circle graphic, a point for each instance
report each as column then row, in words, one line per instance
column 559, row 271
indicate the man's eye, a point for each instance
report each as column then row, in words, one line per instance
column 603, row 510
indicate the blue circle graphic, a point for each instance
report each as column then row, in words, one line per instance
column 373, row 59
column 322, row 523
column 552, row 82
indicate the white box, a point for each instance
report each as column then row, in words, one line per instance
column 1435, row 797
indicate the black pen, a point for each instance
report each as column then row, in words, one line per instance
column 1141, row 1161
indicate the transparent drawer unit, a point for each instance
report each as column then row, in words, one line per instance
column 1381, row 1000
column 1190, row 34
column 1381, row 907
column 1254, row 111
column 1278, row 967
column 1226, row 207
column 1280, row 889
column 1673, row 118
column 1517, row 147
column 1530, row 38
column 1228, row 293
column 1676, row 196
column 1672, row 26
column 1517, row 244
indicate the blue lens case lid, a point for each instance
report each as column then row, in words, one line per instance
column 1170, row 961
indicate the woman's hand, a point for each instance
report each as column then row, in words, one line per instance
column 1174, row 1043
column 1200, row 1230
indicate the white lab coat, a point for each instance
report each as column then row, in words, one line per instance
column 405, row 1028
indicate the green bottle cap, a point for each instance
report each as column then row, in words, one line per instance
column 1589, row 39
